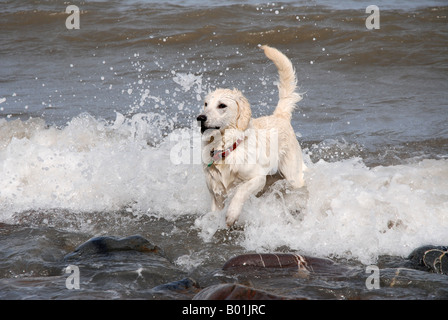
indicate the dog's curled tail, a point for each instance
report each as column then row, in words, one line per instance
column 287, row 83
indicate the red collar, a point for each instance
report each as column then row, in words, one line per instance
column 222, row 154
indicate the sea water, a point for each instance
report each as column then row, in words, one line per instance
column 90, row 119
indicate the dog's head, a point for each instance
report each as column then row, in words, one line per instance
column 225, row 109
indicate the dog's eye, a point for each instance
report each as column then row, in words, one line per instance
column 222, row 106
column 205, row 104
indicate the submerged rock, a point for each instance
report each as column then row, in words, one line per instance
column 432, row 258
column 231, row 291
column 107, row 244
column 183, row 285
column 265, row 260
column 278, row 260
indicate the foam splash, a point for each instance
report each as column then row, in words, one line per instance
column 187, row 81
column 346, row 209
column 91, row 165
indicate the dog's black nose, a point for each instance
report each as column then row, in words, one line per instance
column 202, row 118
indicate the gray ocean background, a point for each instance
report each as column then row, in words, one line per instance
column 89, row 119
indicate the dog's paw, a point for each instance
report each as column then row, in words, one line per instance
column 234, row 210
column 231, row 219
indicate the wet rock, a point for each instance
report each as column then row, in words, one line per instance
column 278, row 260
column 266, row 260
column 431, row 258
column 107, row 244
column 185, row 285
column 230, row 291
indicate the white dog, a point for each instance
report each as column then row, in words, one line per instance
column 243, row 151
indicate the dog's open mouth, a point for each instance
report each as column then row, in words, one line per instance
column 205, row 128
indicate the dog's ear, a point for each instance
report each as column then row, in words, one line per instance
column 244, row 112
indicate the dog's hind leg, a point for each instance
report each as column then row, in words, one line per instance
column 291, row 167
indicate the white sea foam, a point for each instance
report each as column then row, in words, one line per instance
column 190, row 261
column 351, row 211
column 93, row 166
column 188, row 81
column 346, row 209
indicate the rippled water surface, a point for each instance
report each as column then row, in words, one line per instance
column 89, row 120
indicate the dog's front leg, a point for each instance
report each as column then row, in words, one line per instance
column 217, row 202
column 242, row 193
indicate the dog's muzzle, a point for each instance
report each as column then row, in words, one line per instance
column 202, row 119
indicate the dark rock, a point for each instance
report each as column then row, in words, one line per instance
column 278, row 260
column 107, row 245
column 184, row 285
column 268, row 260
column 236, row 292
column 431, row 258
